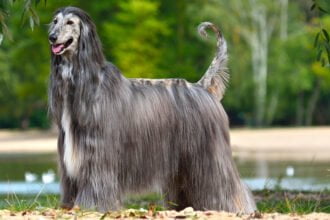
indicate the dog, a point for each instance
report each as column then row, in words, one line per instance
column 120, row 135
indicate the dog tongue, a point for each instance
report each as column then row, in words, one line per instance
column 57, row 48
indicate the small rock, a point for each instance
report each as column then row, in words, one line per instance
column 187, row 211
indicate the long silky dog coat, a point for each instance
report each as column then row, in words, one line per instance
column 119, row 135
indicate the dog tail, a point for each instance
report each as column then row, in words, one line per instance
column 216, row 77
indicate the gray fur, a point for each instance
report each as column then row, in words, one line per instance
column 216, row 77
column 128, row 135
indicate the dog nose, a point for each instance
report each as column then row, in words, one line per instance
column 52, row 38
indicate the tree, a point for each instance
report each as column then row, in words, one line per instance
column 158, row 39
column 28, row 13
column 322, row 37
column 134, row 38
column 265, row 28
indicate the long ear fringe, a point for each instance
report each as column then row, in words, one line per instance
column 90, row 48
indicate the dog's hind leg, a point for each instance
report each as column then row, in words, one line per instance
column 174, row 195
column 210, row 181
column 217, row 186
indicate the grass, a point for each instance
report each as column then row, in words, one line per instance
column 293, row 202
column 146, row 201
column 293, row 206
column 267, row 202
column 18, row 203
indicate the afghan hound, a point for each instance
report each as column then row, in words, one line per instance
column 120, row 135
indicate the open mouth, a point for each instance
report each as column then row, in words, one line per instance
column 59, row 48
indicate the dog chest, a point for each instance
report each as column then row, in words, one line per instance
column 71, row 156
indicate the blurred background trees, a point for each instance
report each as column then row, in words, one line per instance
column 278, row 75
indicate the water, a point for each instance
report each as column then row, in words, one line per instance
column 289, row 175
column 34, row 173
column 28, row 174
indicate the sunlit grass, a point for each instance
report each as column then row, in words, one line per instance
column 15, row 202
column 145, row 201
column 293, row 202
column 298, row 206
column 267, row 202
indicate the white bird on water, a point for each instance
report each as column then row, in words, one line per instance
column 48, row 177
column 30, row 177
column 290, row 171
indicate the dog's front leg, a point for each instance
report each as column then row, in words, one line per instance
column 99, row 192
column 68, row 191
column 68, row 185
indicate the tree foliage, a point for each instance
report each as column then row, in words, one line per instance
column 322, row 37
column 134, row 37
column 279, row 49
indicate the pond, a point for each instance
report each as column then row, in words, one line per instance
column 36, row 173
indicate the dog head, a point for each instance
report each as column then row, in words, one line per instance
column 69, row 27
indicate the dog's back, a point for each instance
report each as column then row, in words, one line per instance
column 177, row 135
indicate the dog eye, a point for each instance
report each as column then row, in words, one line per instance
column 69, row 22
column 55, row 21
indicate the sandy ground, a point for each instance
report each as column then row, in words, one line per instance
column 187, row 213
column 32, row 141
column 311, row 143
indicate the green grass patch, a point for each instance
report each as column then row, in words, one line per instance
column 292, row 202
column 147, row 201
column 267, row 202
column 298, row 206
column 28, row 203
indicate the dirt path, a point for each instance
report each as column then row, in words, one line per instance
column 187, row 213
column 33, row 141
column 311, row 143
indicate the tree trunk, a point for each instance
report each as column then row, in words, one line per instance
column 272, row 106
column 180, row 7
column 259, row 46
column 300, row 109
column 312, row 104
column 284, row 20
column 258, row 28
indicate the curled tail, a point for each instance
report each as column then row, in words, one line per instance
column 216, row 77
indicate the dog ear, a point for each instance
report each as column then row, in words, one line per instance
column 85, row 38
column 89, row 42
